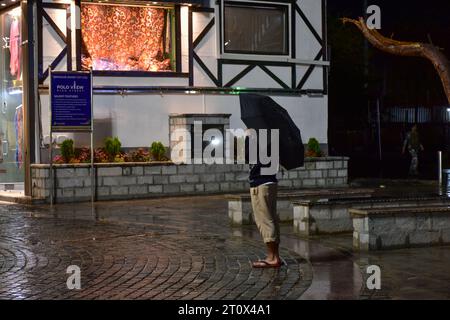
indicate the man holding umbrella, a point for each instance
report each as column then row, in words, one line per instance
column 263, row 192
column 262, row 113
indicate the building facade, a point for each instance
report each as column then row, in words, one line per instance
column 152, row 60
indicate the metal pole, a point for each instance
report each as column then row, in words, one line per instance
column 365, row 49
column 51, row 139
column 92, row 144
column 29, row 90
column 379, row 129
column 440, row 169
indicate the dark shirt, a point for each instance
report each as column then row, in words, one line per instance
column 255, row 177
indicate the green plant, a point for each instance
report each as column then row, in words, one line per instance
column 112, row 147
column 157, row 151
column 313, row 148
column 67, row 150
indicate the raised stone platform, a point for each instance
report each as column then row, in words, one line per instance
column 379, row 229
column 240, row 207
column 72, row 182
column 326, row 216
column 17, row 196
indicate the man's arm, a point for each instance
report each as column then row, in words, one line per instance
column 405, row 143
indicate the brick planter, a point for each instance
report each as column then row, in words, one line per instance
column 72, row 182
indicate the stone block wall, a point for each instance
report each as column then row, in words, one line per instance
column 185, row 122
column 312, row 218
column 72, row 182
column 395, row 231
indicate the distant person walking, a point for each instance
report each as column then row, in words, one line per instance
column 413, row 144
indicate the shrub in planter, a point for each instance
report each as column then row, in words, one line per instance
column 140, row 155
column 83, row 155
column 157, row 151
column 120, row 157
column 313, row 148
column 112, row 147
column 58, row 159
column 74, row 160
column 67, row 150
column 100, row 156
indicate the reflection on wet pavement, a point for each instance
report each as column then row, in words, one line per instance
column 142, row 250
column 184, row 248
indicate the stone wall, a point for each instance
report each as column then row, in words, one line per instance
column 72, row 182
column 313, row 218
column 402, row 228
column 240, row 210
column 185, row 122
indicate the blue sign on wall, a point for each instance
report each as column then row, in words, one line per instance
column 71, row 102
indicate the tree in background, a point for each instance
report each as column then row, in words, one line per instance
column 410, row 49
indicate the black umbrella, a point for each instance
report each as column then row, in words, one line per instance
column 261, row 112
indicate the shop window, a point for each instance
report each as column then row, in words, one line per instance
column 124, row 37
column 11, row 108
column 255, row 28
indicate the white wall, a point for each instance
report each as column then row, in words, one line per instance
column 140, row 119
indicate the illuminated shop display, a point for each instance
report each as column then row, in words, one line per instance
column 127, row 38
column 11, row 111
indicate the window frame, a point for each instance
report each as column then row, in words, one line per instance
column 286, row 5
column 177, row 73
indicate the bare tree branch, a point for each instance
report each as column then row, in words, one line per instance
column 410, row 49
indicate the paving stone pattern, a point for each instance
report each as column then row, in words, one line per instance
column 135, row 260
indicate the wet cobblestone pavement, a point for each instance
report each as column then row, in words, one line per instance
column 162, row 256
column 184, row 248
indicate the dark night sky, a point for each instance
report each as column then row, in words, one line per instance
column 393, row 81
column 407, row 80
column 407, row 19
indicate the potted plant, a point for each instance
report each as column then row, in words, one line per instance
column 158, row 151
column 67, row 151
column 112, row 149
column 313, row 149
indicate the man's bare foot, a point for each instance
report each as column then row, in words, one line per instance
column 267, row 263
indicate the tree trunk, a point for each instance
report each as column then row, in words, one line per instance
column 410, row 49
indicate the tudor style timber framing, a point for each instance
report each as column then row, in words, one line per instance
column 66, row 38
column 296, row 85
